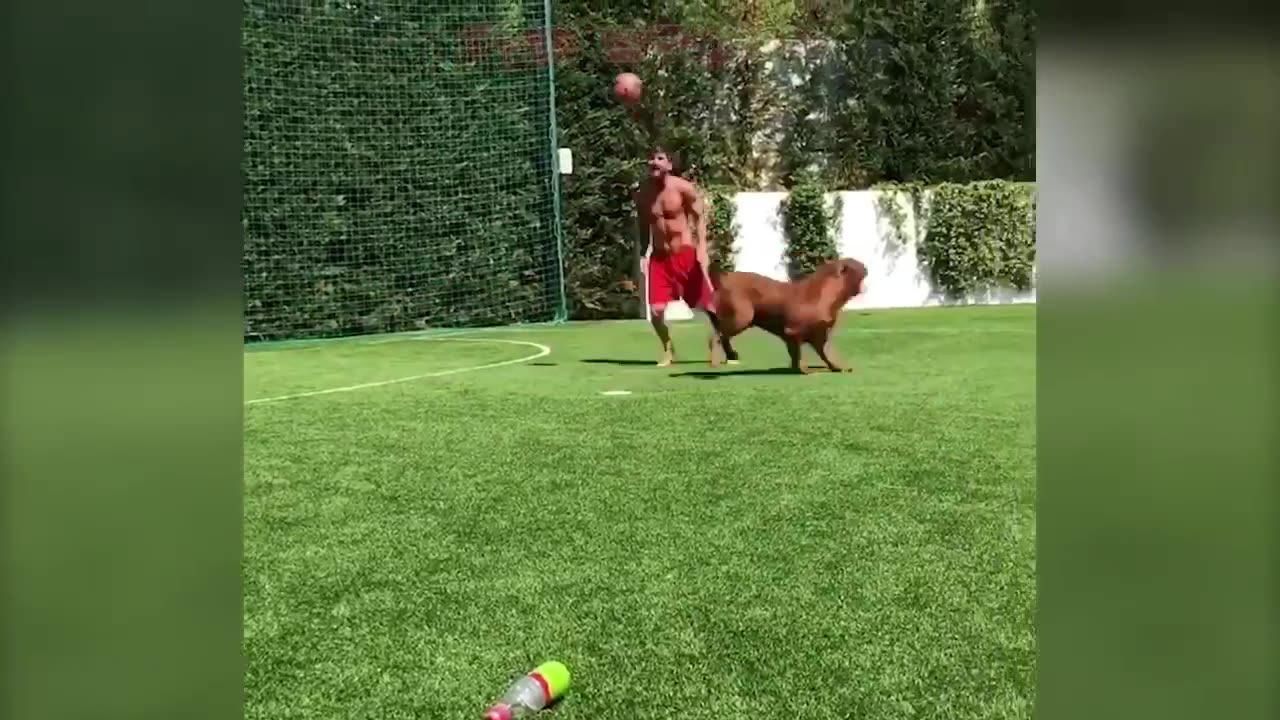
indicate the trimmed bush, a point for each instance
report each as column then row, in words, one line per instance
column 722, row 228
column 810, row 225
column 980, row 236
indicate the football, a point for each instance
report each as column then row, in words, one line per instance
column 628, row 87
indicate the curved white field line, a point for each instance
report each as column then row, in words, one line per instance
column 543, row 351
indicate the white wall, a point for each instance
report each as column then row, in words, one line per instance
column 895, row 278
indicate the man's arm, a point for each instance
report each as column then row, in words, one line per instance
column 696, row 207
column 644, row 237
column 642, row 226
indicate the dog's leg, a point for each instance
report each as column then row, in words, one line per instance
column 828, row 354
column 731, row 320
column 822, row 344
column 718, row 337
column 793, row 349
column 726, row 346
column 730, row 354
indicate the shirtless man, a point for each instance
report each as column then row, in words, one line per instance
column 678, row 264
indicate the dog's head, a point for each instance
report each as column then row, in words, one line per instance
column 849, row 275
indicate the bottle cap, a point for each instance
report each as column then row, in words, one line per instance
column 554, row 678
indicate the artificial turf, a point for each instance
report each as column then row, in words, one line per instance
column 717, row 543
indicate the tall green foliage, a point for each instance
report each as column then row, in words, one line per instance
column 395, row 178
column 353, row 220
column 919, row 90
column 981, row 236
column 904, row 91
column 611, row 142
column 600, row 243
column 722, row 228
column 810, row 225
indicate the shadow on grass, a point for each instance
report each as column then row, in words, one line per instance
column 756, row 372
column 543, row 364
column 650, row 363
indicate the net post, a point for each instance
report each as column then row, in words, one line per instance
column 553, row 149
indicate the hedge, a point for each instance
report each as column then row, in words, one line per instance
column 722, row 228
column 382, row 193
column 810, row 227
column 979, row 236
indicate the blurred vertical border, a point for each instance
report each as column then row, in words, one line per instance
column 122, row 358
column 1158, row 134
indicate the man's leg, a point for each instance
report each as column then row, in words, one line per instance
column 657, row 317
column 662, row 291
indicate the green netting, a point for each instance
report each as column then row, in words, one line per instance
column 399, row 166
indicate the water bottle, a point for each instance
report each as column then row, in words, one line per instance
column 531, row 693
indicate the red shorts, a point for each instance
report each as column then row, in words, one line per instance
column 679, row 276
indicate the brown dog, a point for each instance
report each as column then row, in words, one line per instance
column 798, row 312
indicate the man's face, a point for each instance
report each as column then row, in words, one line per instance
column 659, row 164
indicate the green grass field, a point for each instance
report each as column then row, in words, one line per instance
column 732, row 543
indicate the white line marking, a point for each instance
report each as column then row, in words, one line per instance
column 543, row 351
column 616, row 392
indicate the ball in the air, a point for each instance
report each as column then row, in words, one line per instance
column 628, row 87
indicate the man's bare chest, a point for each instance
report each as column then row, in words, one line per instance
column 666, row 205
